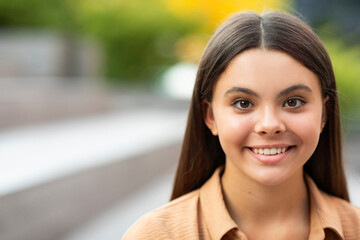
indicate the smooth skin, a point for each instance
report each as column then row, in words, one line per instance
column 267, row 99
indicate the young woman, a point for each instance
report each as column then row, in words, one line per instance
column 261, row 157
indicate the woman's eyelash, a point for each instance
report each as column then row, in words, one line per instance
column 242, row 104
column 245, row 104
column 294, row 102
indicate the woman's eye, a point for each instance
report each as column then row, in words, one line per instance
column 294, row 103
column 243, row 104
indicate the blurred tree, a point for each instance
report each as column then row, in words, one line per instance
column 37, row 13
column 139, row 36
column 346, row 63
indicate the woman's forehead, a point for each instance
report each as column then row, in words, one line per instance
column 265, row 70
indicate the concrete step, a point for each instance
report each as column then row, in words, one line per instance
column 56, row 208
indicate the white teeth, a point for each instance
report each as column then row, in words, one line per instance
column 273, row 151
column 269, row 151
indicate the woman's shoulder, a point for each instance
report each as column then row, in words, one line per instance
column 333, row 207
column 174, row 218
column 348, row 213
column 345, row 208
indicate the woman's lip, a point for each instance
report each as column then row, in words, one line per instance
column 271, row 146
column 270, row 159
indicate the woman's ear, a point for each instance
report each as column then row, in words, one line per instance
column 209, row 117
column 324, row 112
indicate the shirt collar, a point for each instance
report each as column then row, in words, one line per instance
column 213, row 206
column 323, row 214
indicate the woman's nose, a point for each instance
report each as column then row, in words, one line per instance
column 269, row 123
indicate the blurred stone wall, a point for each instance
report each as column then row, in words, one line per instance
column 31, row 53
column 47, row 76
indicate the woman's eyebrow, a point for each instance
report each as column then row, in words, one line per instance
column 293, row 88
column 283, row 92
column 241, row 89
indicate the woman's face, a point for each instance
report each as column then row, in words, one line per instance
column 267, row 111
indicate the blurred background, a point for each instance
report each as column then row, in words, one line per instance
column 94, row 98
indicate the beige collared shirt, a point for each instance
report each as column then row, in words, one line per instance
column 202, row 215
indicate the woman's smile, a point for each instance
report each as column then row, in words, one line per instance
column 270, row 155
column 270, row 149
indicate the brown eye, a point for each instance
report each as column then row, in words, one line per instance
column 294, row 103
column 243, row 104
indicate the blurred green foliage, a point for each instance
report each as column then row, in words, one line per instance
column 37, row 13
column 138, row 36
column 346, row 64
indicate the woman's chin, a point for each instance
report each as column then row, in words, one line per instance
column 270, row 178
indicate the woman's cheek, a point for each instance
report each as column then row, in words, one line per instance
column 306, row 127
column 234, row 129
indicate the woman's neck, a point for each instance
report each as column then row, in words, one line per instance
column 256, row 206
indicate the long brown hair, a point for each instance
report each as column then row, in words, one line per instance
column 201, row 152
